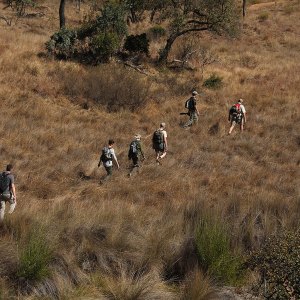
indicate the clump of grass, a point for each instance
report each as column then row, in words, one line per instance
column 264, row 16
column 35, row 257
column 157, row 32
column 214, row 253
column 213, row 82
column 197, row 287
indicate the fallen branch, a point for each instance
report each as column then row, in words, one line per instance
column 136, row 68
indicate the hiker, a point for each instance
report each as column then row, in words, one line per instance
column 7, row 191
column 237, row 115
column 107, row 157
column 135, row 154
column 191, row 105
column 159, row 142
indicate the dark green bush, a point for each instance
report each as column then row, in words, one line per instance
column 104, row 45
column 96, row 40
column 213, row 82
column 214, row 253
column 62, row 43
column 278, row 263
column 137, row 43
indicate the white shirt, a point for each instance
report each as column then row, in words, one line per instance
column 164, row 133
column 243, row 108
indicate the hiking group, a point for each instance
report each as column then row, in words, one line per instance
column 237, row 115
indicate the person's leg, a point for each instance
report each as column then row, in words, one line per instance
column 242, row 125
column 195, row 118
column 135, row 166
column 232, row 126
column 163, row 154
column 190, row 121
column 2, row 210
column 157, row 155
column 108, row 173
column 12, row 205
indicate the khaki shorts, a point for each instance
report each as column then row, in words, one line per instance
column 7, row 198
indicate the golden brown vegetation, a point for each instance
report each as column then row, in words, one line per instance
column 135, row 238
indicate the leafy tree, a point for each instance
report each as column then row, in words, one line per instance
column 187, row 16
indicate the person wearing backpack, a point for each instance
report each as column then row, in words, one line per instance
column 135, row 153
column 106, row 158
column 237, row 115
column 159, row 142
column 7, row 191
column 191, row 105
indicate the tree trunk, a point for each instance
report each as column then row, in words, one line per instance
column 62, row 19
column 244, row 8
column 165, row 52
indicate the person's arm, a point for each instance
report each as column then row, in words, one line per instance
column 141, row 150
column 165, row 141
column 244, row 113
column 13, row 188
column 229, row 116
column 115, row 159
column 99, row 163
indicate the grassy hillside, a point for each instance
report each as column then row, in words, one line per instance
column 137, row 238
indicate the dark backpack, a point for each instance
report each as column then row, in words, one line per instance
column 133, row 149
column 157, row 138
column 106, row 155
column 190, row 104
column 235, row 109
column 4, row 182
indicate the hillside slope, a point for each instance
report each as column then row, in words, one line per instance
column 137, row 236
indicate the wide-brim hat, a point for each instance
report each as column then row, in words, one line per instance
column 194, row 93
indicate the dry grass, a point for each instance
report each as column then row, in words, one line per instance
column 133, row 239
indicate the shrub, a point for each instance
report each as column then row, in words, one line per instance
column 157, row 31
column 278, row 264
column 62, row 43
column 137, row 43
column 214, row 253
column 213, row 82
column 34, row 258
column 105, row 85
column 104, row 45
column 263, row 17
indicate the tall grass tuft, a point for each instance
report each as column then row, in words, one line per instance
column 214, row 253
column 35, row 257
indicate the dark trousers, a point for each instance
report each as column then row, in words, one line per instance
column 135, row 165
column 108, row 173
